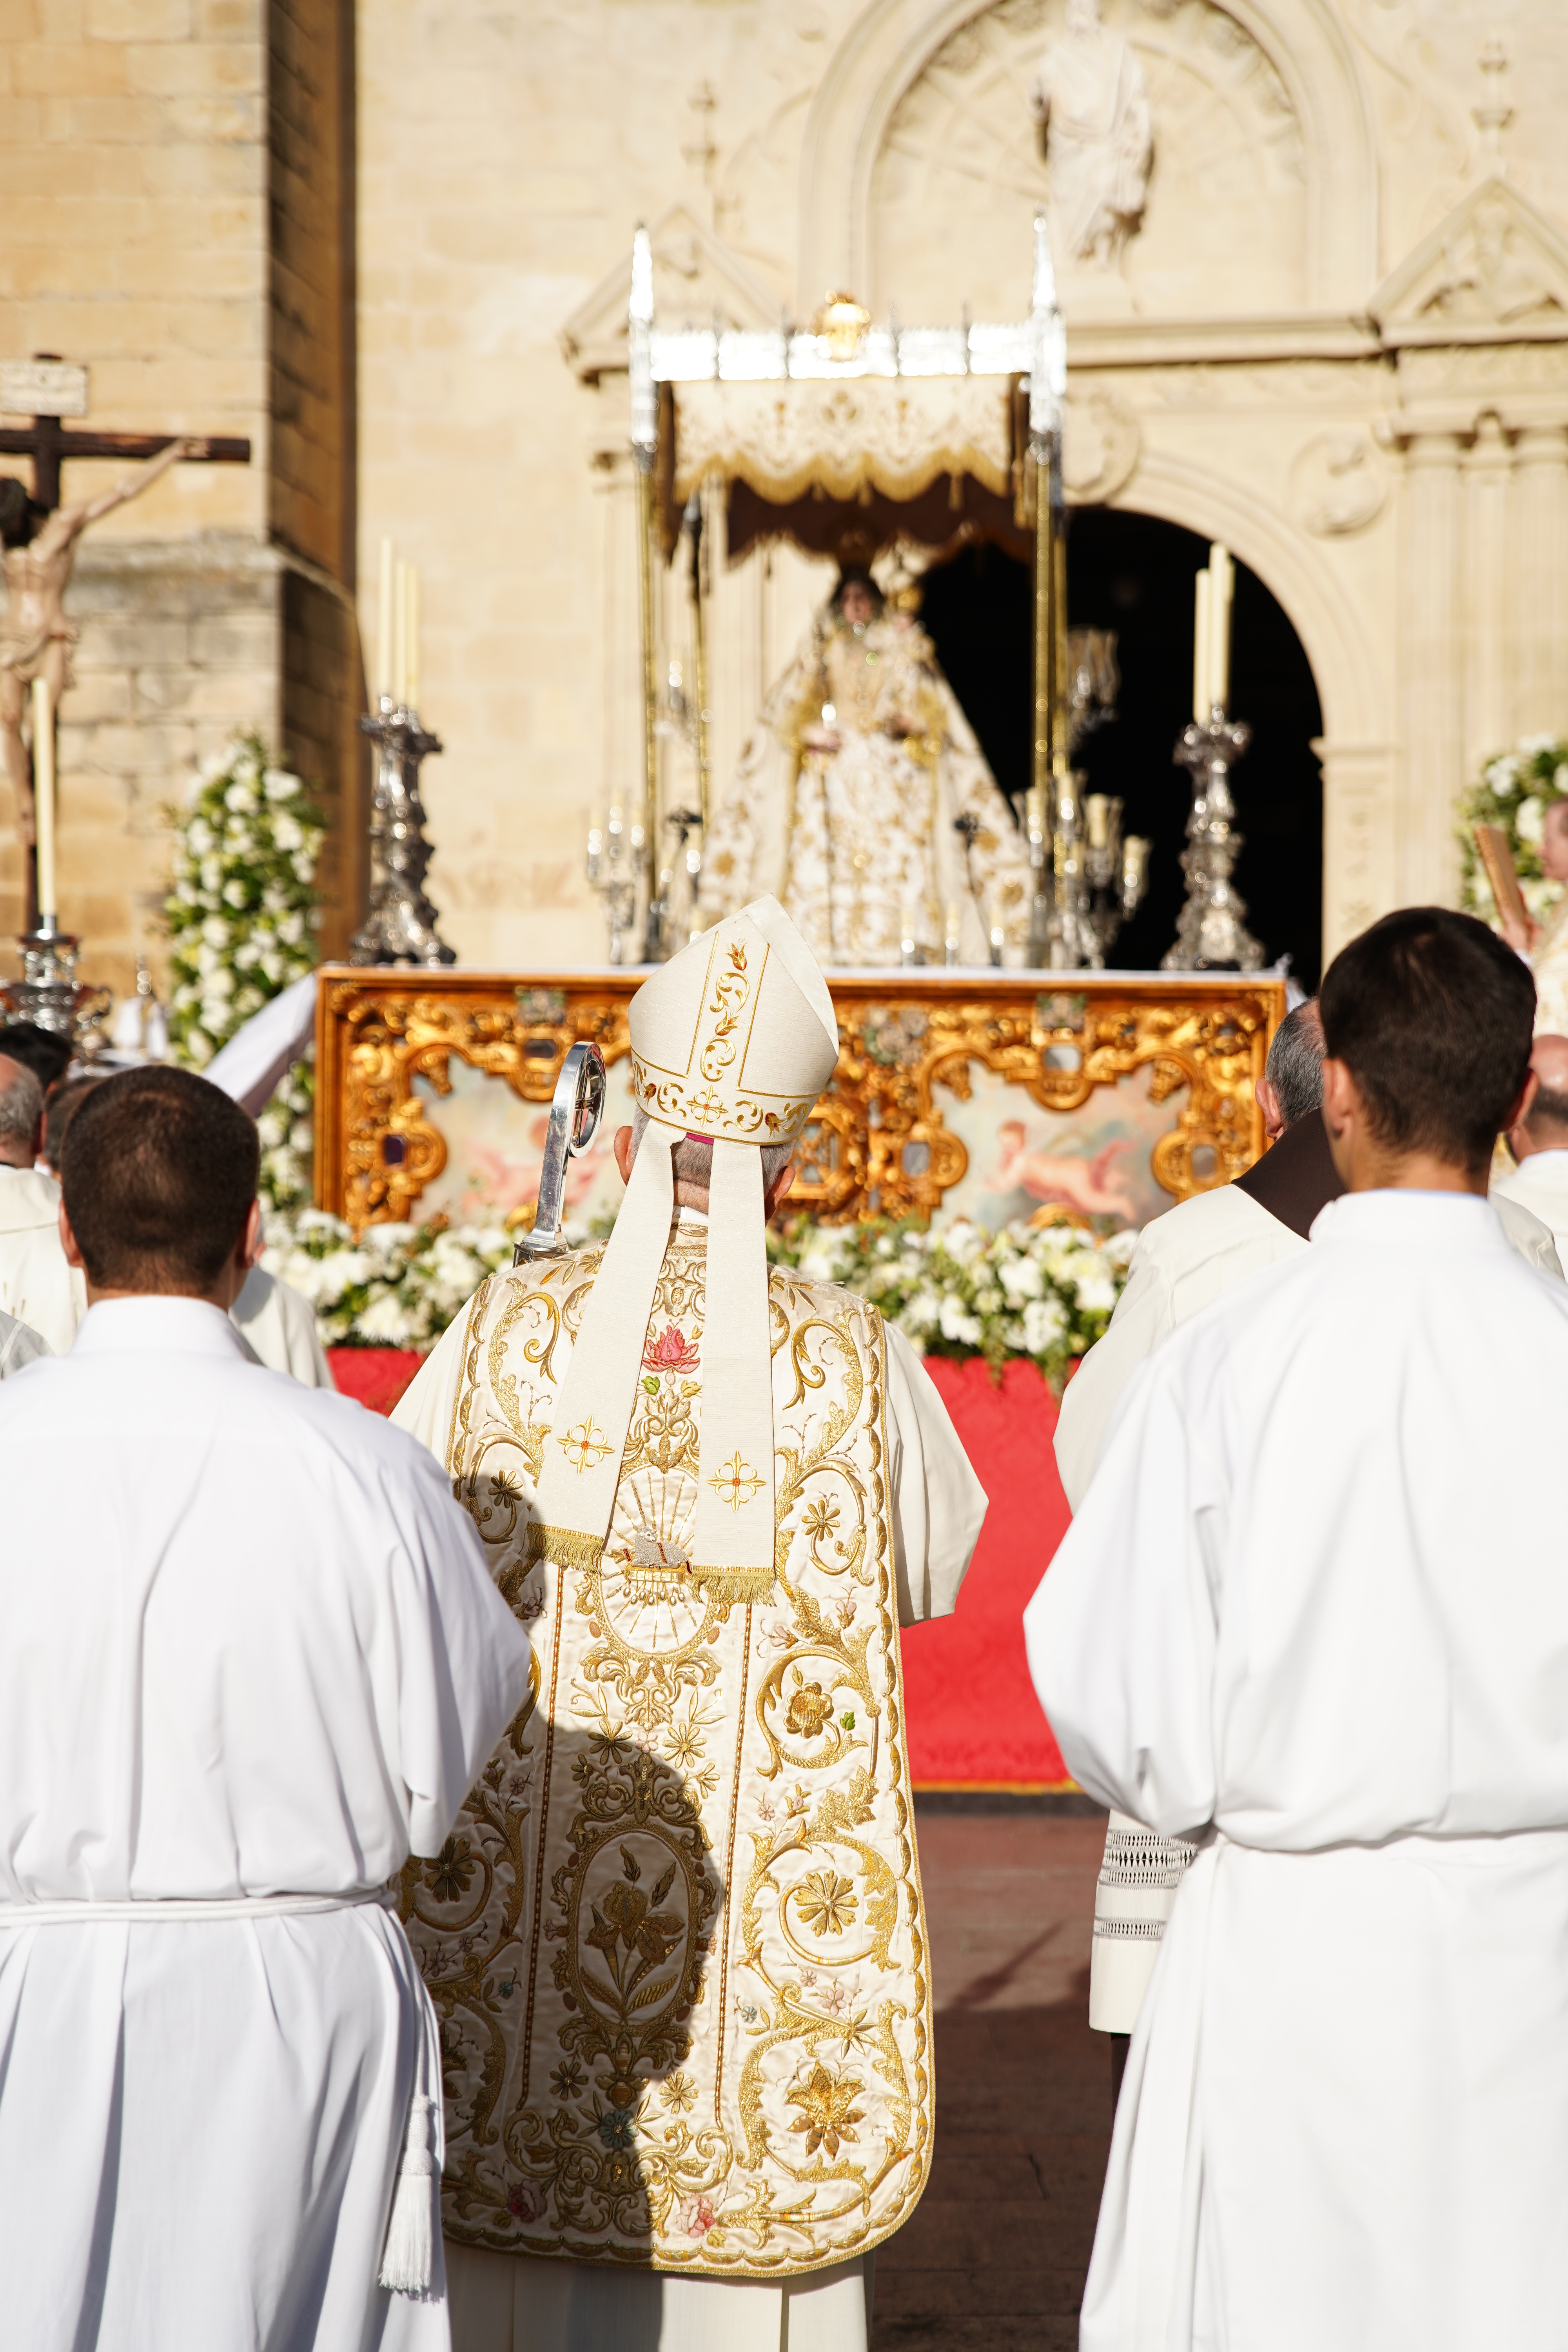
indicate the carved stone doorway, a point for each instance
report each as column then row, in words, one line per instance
column 1133, row 574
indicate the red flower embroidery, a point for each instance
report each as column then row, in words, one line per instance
column 671, row 1353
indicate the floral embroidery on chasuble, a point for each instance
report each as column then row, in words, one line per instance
column 676, row 1940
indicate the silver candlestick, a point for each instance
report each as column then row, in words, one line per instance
column 1211, row 935
column 49, row 993
column 614, row 865
column 400, row 925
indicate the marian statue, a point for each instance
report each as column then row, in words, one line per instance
column 844, row 802
column 1093, row 109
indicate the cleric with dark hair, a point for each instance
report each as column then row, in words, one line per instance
column 159, row 1177
column 1426, row 1027
column 262, row 1667
column 1307, row 1620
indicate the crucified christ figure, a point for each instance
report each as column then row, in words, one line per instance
column 36, row 637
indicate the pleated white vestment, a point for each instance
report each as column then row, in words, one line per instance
column 250, row 1648
column 1316, row 1600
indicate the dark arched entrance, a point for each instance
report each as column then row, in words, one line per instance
column 1133, row 574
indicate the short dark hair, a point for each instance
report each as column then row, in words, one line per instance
column 42, row 1051
column 64, row 1101
column 1432, row 1016
column 159, row 1173
column 1549, row 1110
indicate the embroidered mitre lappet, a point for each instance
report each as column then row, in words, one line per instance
column 734, row 1041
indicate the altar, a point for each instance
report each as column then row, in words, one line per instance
column 990, row 1094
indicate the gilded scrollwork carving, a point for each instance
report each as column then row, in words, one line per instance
column 878, row 1142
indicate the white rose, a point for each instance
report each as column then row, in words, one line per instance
column 1530, row 822
column 1118, row 1249
column 956, row 1324
column 1044, row 1323
column 287, row 833
column 240, row 798
column 1020, row 1278
column 279, row 785
column 1096, row 1291
column 199, row 836
column 387, row 1319
column 1531, row 747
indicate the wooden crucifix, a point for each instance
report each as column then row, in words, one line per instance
column 38, row 537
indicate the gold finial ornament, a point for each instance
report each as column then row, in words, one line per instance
column 843, row 324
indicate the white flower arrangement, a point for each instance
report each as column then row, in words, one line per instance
column 1514, row 792
column 241, row 914
column 1041, row 1291
column 396, row 1285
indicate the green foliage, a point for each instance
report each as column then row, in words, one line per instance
column 241, row 916
column 1514, row 792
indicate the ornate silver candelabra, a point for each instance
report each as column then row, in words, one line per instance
column 1211, row 935
column 401, row 925
column 48, row 992
column 1089, row 878
column 614, row 869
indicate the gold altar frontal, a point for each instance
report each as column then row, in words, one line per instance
column 986, row 1094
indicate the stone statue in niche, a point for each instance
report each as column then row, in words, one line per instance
column 1092, row 105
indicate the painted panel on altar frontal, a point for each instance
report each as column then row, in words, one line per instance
column 993, row 1096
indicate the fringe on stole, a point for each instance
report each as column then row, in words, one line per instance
column 568, row 1548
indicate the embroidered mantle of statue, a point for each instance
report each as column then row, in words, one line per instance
column 844, row 800
column 676, row 1940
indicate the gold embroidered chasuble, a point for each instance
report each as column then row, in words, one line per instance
column 676, row 1940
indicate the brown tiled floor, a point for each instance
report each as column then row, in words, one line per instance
column 995, row 2254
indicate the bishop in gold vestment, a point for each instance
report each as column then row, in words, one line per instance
column 677, row 1941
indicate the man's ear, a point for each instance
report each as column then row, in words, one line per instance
column 779, row 1190
column 622, row 1148
column 1267, row 1096
column 250, row 1239
column 68, row 1243
column 1527, row 1095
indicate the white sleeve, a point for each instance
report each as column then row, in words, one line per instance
column 1142, row 1317
column 938, row 1504
column 426, row 1407
column 466, row 1658
column 1122, row 1630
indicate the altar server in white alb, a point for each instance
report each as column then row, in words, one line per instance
column 37, row 1285
column 1309, row 1616
column 276, row 1322
column 678, row 1944
column 251, row 1657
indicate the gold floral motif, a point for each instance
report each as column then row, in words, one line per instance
column 736, row 1483
column 584, row 1447
column 827, row 2111
column 1204, row 1043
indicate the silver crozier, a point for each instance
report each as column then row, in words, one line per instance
column 575, row 1110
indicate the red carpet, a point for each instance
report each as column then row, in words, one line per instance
column 376, row 1376
column 974, row 1719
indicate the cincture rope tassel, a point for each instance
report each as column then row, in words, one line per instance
column 406, row 2260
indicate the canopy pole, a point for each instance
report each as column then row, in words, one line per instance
column 1053, row 811
column 645, row 451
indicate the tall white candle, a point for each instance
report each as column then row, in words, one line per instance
column 44, row 796
column 384, row 622
column 1201, row 627
column 1222, row 572
column 411, row 684
column 400, row 658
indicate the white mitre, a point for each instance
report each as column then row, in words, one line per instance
column 734, row 1040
